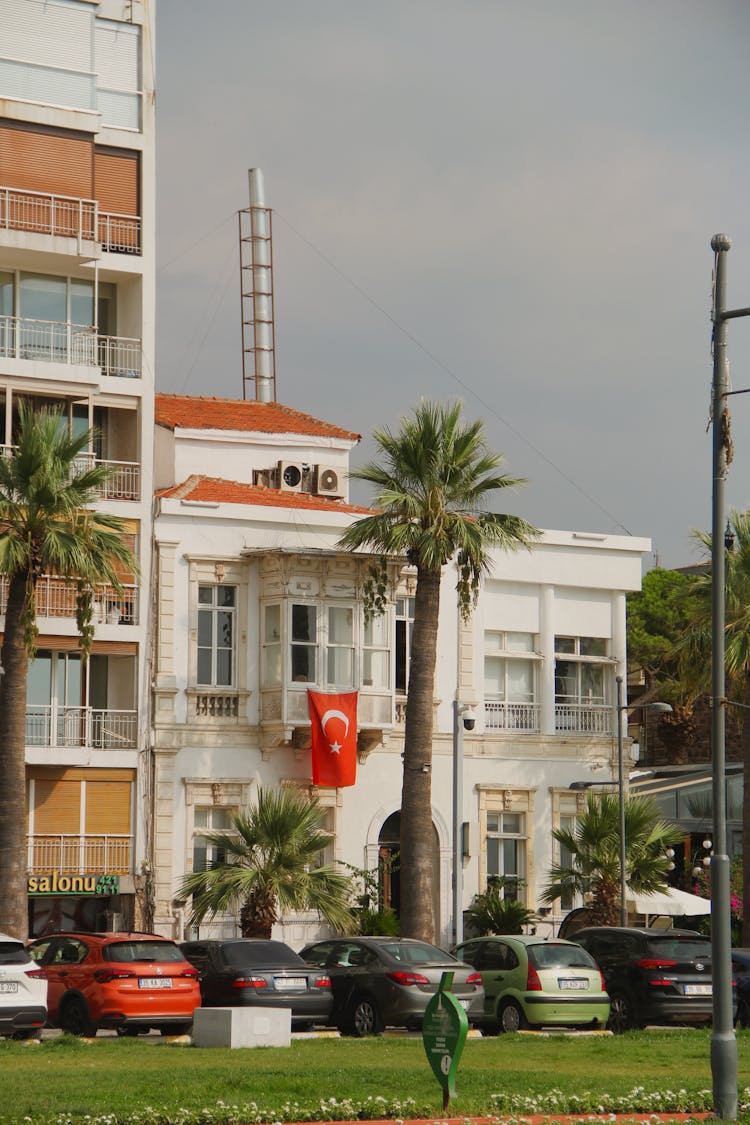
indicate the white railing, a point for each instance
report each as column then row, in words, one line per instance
column 501, row 715
column 584, row 718
column 56, row 597
column 44, row 213
column 54, row 725
column 121, row 234
column 65, row 215
column 123, row 482
column 54, row 341
column 80, row 855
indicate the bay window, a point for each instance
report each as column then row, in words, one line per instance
column 582, row 675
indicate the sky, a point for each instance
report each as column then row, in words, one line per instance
column 510, row 202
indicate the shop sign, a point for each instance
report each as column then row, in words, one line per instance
column 56, row 884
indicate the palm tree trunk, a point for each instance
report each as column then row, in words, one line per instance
column 13, row 868
column 745, row 942
column 417, row 911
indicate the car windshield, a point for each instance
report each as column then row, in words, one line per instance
column 680, row 948
column 240, row 954
column 555, row 955
column 417, row 952
column 142, row 951
column 13, row 953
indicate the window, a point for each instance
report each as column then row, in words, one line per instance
column 271, row 666
column 404, row 627
column 375, row 654
column 582, row 684
column 213, row 819
column 216, row 635
column 568, row 824
column 510, row 681
column 304, row 643
column 340, row 648
column 506, row 850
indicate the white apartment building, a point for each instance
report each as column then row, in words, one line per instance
column 256, row 603
column 77, row 253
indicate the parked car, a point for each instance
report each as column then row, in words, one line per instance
column 385, row 981
column 652, row 976
column 23, row 991
column 530, row 982
column 741, row 972
column 128, row 981
column 258, row 973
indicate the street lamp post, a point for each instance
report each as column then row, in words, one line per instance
column 723, row 1039
column 463, row 718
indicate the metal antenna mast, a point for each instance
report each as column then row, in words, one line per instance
column 256, row 292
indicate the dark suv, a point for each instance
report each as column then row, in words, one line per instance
column 652, row 976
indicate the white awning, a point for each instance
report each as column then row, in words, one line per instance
column 670, row 901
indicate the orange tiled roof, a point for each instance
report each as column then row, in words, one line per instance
column 194, row 412
column 217, row 491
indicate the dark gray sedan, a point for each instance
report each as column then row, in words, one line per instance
column 384, row 981
column 257, row 973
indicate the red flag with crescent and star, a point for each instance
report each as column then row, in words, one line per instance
column 334, row 737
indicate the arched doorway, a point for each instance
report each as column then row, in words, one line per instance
column 389, row 866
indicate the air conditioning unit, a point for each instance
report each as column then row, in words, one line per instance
column 290, row 476
column 264, row 478
column 329, row 481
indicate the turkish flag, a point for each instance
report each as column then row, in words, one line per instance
column 334, row 737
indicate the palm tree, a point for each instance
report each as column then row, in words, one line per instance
column 696, row 654
column 492, row 913
column 269, row 864
column 46, row 527
column 432, row 482
column 593, row 850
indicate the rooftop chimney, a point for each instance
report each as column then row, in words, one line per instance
column 256, row 283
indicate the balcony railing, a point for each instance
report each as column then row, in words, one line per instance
column 80, row 855
column 124, row 481
column 584, row 718
column 53, row 341
column 56, row 597
column 53, row 725
column 500, row 715
column 69, row 217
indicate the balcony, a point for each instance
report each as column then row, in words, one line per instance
column 80, row 855
column 54, row 725
column 68, row 217
column 56, row 597
column 51, row 341
column 584, row 718
column 501, row 715
column 123, row 482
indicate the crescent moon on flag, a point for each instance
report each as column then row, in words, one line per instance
column 335, row 715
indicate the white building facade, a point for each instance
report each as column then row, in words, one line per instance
column 256, row 604
column 77, row 265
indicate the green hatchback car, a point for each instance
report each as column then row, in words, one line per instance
column 531, row 983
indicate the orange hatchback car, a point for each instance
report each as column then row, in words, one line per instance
column 129, row 981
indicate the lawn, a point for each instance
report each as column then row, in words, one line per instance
column 143, row 1082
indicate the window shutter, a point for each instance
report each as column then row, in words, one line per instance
column 46, row 161
column 57, row 807
column 116, row 181
column 108, row 808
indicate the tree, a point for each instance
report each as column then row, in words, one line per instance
column 593, row 848
column 695, row 652
column 658, row 615
column 46, row 527
column 432, row 481
column 269, row 862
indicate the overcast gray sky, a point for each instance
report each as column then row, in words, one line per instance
column 511, row 202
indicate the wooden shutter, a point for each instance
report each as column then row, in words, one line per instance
column 116, row 181
column 108, row 808
column 57, row 807
column 45, row 160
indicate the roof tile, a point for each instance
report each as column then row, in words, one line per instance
column 194, row 412
column 215, row 490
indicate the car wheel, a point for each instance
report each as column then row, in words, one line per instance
column 621, row 1014
column 75, row 1018
column 511, row 1018
column 129, row 1032
column 28, row 1033
column 743, row 1014
column 364, row 1018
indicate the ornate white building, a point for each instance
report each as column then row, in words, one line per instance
column 256, row 603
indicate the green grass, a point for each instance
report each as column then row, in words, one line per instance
column 184, row 1084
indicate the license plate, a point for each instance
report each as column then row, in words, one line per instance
column 574, row 984
column 154, row 982
column 282, row 983
column 8, row 986
column 698, row 989
column 465, row 1004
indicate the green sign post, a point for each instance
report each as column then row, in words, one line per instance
column 444, row 1033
